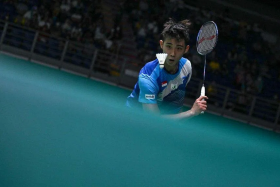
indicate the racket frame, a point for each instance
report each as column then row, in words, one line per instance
column 216, row 40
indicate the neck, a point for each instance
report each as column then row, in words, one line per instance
column 171, row 69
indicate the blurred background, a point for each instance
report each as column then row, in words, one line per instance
column 111, row 40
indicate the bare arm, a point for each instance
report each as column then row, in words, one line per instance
column 151, row 108
column 199, row 105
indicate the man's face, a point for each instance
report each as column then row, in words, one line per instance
column 175, row 50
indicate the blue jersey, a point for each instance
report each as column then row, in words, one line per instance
column 157, row 86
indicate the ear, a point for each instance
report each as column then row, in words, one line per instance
column 187, row 48
column 161, row 44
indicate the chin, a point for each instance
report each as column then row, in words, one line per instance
column 172, row 63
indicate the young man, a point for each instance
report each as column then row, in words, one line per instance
column 163, row 90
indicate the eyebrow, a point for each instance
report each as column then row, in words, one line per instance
column 177, row 45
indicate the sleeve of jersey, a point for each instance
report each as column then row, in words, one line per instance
column 148, row 89
column 190, row 77
column 190, row 70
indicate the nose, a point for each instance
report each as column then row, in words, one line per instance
column 172, row 53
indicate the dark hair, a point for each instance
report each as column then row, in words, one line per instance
column 178, row 30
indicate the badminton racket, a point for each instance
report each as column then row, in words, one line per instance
column 206, row 41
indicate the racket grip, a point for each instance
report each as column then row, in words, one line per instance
column 202, row 93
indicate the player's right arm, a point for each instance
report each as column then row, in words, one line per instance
column 148, row 97
column 199, row 105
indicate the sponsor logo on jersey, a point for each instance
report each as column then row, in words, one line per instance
column 164, row 83
column 150, row 96
column 174, row 86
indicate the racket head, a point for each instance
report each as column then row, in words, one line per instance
column 207, row 38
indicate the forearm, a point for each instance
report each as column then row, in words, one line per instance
column 194, row 111
column 183, row 115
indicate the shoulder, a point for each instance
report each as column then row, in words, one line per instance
column 150, row 67
column 185, row 64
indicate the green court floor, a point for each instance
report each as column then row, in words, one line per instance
column 60, row 129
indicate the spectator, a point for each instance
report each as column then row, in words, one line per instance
column 76, row 17
column 232, row 55
column 276, row 98
column 258, row 85
column 212, row 93
column 224, row 69
column 196, row 59
column 65, row 6
column 21, row 8
column 115, row 33
column 264, row 70
column 66, row 28
column 249, row 83
column 76, row 33
column 143, row 6
column 214, row 66
column 141, row 33
column 77, row 5
column 257, row 47
column 152, row 27
column 240, row 74
column 242, row 102
column 30, row 13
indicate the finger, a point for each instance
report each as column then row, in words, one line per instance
column 202, row 98
column 202, row 105
column 203, row 108
column 203, row 102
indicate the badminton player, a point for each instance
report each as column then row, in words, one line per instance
column 162, row 90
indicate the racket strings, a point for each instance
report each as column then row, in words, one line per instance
column 207, row 39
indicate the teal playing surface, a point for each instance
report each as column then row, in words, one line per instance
column 59, row 129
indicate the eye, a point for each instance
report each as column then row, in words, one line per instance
column 168, row 47
column 179, row 48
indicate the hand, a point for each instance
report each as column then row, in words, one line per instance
column 199, row 105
